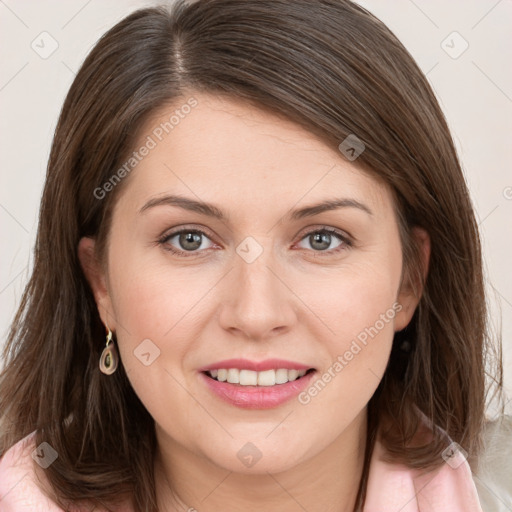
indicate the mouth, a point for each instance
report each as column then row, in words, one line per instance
column 251, row 389
column 255, row 379
column 252, row 384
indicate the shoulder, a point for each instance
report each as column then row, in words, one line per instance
column 19, row 483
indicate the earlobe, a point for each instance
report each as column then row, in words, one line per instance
column 96, row 278
column 411, row 292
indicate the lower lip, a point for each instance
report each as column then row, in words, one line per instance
column 257, row 397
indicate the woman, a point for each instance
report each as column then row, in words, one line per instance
column 257, row 281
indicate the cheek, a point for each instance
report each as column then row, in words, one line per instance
column 357, row 356
column 353, row 297
column 359, row 309
column 150, row 292
column 361, row 316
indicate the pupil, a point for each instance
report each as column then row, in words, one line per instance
column 321, row 237
column 190, row 238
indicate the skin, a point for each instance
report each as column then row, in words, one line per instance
column 294, row 302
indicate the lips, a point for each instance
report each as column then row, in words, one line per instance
column 262, row 394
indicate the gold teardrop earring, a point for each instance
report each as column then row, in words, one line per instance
column 109, row 357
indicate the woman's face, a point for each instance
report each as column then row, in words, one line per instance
column 263, row 282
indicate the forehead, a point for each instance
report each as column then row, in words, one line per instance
column 226, row 150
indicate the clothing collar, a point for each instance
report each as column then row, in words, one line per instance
column 393, row 487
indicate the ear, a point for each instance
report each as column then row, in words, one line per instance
column 412, row 285
column 96, row 278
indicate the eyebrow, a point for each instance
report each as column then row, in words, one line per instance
column 211, row 210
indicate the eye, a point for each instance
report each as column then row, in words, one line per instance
column 320, row 240
column 189, row 241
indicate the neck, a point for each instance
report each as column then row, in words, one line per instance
column 326, row 482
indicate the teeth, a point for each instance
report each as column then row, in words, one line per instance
column 233, row 376
column 251, row 378
column 267, row 378
column 293, row 374
column 282, row 376
column 248, row 378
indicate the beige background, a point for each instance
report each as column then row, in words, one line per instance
column 473, row 84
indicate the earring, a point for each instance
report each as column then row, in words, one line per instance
column 109, row 357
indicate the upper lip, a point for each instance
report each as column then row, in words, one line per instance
column 257, row 366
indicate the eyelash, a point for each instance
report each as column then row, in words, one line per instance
column 347, row 243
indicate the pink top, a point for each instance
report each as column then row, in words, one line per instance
column 391, row 487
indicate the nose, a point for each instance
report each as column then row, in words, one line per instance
column 258, row 303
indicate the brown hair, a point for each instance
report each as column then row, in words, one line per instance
column 333, row 68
